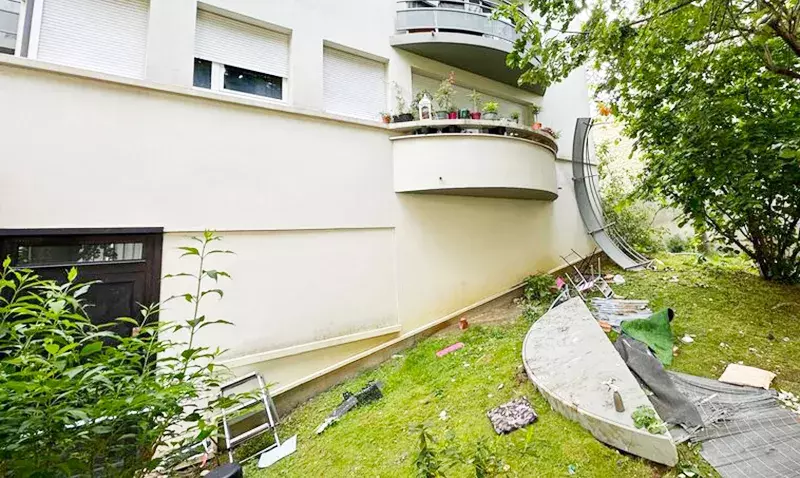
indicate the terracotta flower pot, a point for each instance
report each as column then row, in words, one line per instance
column 476, row 115
column 536, row 126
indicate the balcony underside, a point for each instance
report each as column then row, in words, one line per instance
column 477, row 54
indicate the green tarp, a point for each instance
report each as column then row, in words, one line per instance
column 654, row 331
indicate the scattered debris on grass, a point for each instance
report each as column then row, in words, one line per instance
column 789, row 400
column 737, row 374
column 443, row 415
column 370, row 393
column 645, row 417
column 687, row 339
column 451, row 348
column 618, row 279
column 511, row 416
column 463, row 324
column 616, row 311
column 572, row 469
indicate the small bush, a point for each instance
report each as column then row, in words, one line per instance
column 678, row 243
column 538, row 288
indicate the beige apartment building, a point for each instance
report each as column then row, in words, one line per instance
column 128, row 125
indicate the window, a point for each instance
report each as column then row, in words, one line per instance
column 127, row 264
column 202, row 73
column 235, row 56
column 9, row 19
column 353, row 85
column 109, row 36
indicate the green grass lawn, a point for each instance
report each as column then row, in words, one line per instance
column 718, row 303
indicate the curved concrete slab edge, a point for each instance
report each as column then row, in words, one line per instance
column 658, row 448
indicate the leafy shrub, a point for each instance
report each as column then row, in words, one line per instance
column 433, row 460
column 677, row 243
column 76, row 399
column 539, row 288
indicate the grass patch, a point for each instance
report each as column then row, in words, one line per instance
column 716, row 302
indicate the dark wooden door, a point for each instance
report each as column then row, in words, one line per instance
column 126, row 264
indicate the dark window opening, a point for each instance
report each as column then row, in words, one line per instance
column 202, row 73
column 253, row 82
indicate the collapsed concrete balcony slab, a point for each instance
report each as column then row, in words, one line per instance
column 570, row 361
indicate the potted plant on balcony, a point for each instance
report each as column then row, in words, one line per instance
column 555, row 134
column 386, row 117
column 475, row 97
column 402, row 110
column 463, row 113
column 515, row 117
column 444, row 97
column 535, row 110
column 490, row 110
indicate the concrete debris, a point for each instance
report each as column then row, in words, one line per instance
column 789, row 400
column 618, row 279
column 443, row 415
column 687, row 340
column 511, row 416
column 451, row 348
column 616, row 311
column 723, row 345
column 786, row 339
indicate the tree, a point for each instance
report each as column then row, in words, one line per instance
column 702, row 90
column 550, row 42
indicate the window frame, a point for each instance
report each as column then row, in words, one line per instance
column 218, row 83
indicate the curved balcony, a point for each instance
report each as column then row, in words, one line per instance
column 460, row 33
column 494, row 159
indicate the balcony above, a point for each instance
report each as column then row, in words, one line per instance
column 460, row 33
column 481, row 164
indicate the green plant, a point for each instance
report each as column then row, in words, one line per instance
column 490, row 107
column 444, row 94
column 678, row 243
column 515, row 115
column 645, row 417
column 76, row 399
column 484, row 461
column 400, row 99
column 535, row 110
column 475, row 98
column 538, row 288
column 427, row 462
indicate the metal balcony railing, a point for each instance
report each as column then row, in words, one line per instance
column 472, row 17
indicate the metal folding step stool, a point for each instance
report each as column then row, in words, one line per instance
column 270, row 412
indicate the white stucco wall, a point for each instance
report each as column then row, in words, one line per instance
column 324, row 246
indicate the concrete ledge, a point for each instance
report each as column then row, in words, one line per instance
column 224, row 97
column 568, row 358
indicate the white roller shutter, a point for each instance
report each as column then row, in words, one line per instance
column 353, row 85
column 102, row 35
column 240, row 44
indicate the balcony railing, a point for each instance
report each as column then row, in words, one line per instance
column 472, row 17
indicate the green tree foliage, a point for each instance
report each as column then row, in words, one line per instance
column 78, row 400
column 709, row 92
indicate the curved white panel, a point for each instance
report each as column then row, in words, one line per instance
column 484, row 165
